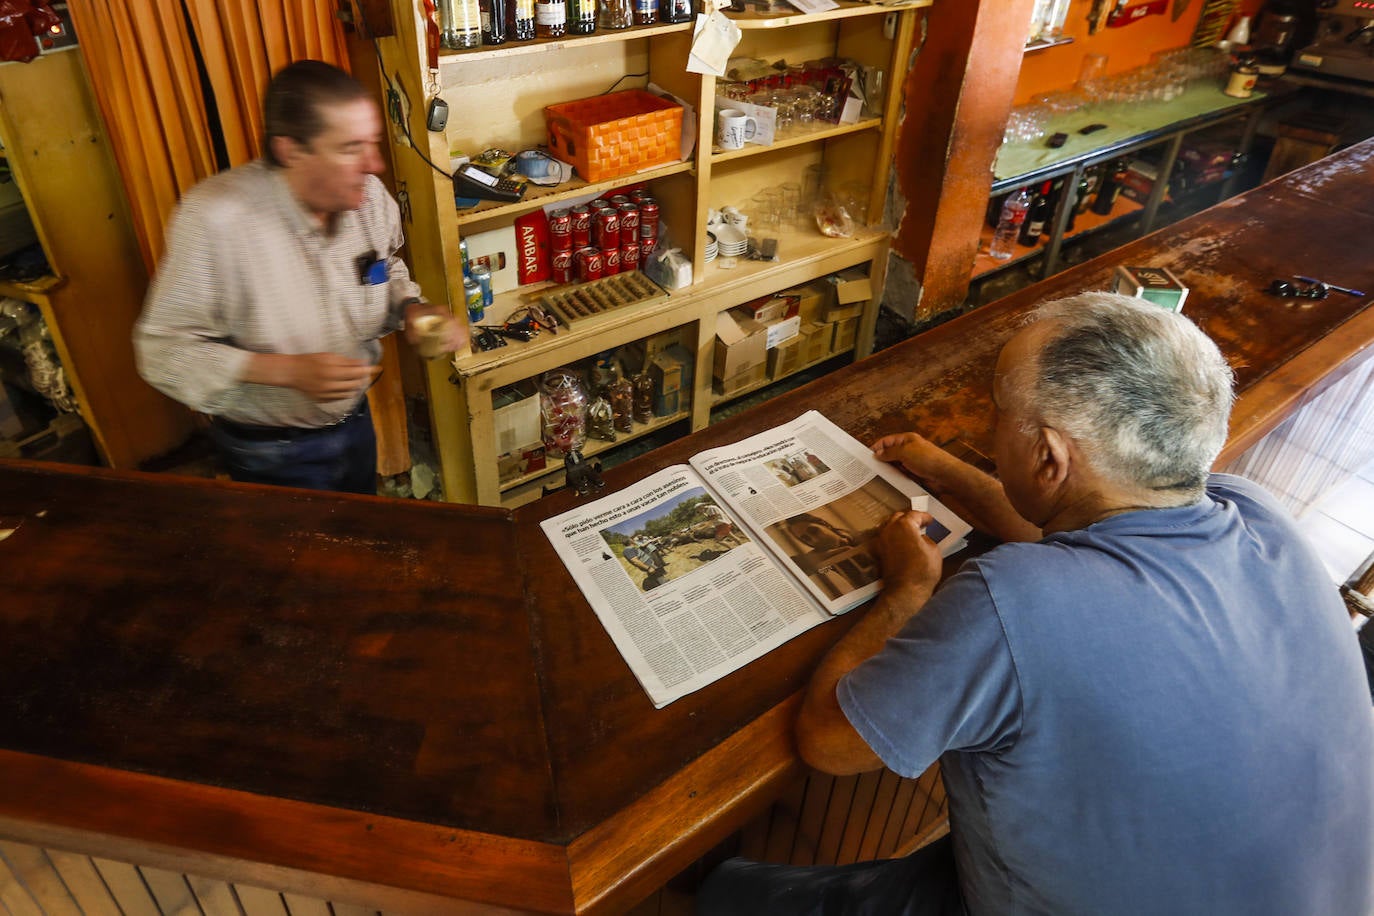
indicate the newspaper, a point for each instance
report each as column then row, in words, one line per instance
column 701, row 568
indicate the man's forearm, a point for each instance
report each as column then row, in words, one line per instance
column 825, row 738
column 978, row 498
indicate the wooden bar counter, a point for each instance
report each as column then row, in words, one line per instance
column 410, row 706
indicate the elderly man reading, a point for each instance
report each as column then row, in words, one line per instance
column 1148, row 700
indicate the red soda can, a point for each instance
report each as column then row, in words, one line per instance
column 646, row 249
column 581, row 226
column 590, row 264
column 639, row 194
column 629, row 220
column 618, row 199
column 648, row 218
column 563, row 266
column 629, row 258
column 611, row 259
column 598, row 203
column 560, row 230
column 606, row 228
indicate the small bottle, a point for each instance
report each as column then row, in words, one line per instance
column 550, row 18
column 675, row 11
column 461, row 24
column 494, row 21
column 646, row 12
column 1033, row 226
column 1009, row 224
column 1079, row 202
column 643, row 410
column 621, row 393
column 615, row 14
column 1110, row 189
column 581, row 17
column 520, row 21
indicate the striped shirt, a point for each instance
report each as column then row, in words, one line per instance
column 247, row 270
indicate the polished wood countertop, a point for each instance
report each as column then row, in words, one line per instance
column 411, row 705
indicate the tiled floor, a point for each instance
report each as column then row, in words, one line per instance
column 1341, row 524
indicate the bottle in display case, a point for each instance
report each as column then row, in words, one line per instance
column 646, row 12
column 1009, row 224
column 550, row 18
column 615, row 14
column 495, row 20
column 581, row 17
column 460, row 22
column 520, row 20
column 675, row 10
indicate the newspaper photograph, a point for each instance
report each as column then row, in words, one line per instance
column 685, row 592
column 818, row 497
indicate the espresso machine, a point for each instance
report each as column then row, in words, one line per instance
column 1343, row 43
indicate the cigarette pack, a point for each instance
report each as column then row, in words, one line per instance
column 1153, row 284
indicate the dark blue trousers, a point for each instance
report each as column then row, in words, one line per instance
column 924, row 883
column 342, row 457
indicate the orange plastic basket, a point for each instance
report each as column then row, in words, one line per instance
column 606, row 136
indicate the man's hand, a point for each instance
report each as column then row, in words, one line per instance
column 908, row 557
column 319, row 376
column 912, row 451
column 452, row 333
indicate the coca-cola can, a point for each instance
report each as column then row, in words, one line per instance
column 618, row 199
column 598, row 203
column 629, row 220
column 560, row 230
column 590, row 264
column 629, row 258
column 606, row 228
column 581, row 226
column 639, row 194
column 611, row 260
column 648, row 218
column 563, row 266
column 646, row 249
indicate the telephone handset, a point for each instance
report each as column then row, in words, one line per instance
column 470, row 181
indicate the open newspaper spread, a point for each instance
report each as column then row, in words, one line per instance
column 697, row 570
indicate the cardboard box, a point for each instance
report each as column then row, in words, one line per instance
column 765, row 309
column 515, row 416
column 781, row 330
column 846, row 332
column 785, row 358
column 852, row 291
column 812, row 300
column 687, row 360
column 666, row 371
column 742, row 380
column 1153, row 284
column 667, row 404
column 741, row 344
column 816, row 338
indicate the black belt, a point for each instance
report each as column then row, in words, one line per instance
column 252, row 433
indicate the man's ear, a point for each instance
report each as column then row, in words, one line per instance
column 1053, row 458
column 284, row 149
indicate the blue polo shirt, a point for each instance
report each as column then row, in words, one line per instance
column 1164, row 712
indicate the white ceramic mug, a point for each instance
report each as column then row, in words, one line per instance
column 735, row 128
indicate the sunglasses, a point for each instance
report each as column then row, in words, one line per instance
column 1287, row 289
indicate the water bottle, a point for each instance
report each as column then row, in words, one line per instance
column 1009, row 224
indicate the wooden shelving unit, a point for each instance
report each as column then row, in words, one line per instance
column 501, row 93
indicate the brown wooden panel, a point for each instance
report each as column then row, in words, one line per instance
column 84, row 883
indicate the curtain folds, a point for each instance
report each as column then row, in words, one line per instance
column 142, row 62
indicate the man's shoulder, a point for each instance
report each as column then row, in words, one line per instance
column 240, row 190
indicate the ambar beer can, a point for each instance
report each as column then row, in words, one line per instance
column 590, row 264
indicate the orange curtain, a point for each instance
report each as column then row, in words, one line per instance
column 243, row 42
column 143, row 73
column 142, row 64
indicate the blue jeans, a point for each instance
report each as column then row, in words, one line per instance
column 924, row 883
column 342, row 457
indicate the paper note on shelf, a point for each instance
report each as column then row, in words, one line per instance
column 714, row 39
column 814, row 6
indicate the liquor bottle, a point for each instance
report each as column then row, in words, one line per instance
column 461, row 22
column 1009, row 224
column 1039, row 213
column 1079, row 202
column 1092, row 175
column 675, row 10
column 581, row 17
column 615, row 14
column 520, row 21
column 495, row 21
column 1110, row 189
column 646, row 12
column 550, row 18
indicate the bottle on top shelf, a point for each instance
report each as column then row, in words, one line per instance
column 1033, row 226
column 675, row 10
column 1009, row 224
column 550, row 18
column 461, row 24
column 581, row 17
column 495, row 21
column 520, row 19
column 1080, row 199
column 615, row 14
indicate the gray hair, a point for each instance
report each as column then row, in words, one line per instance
column 1142, row 390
